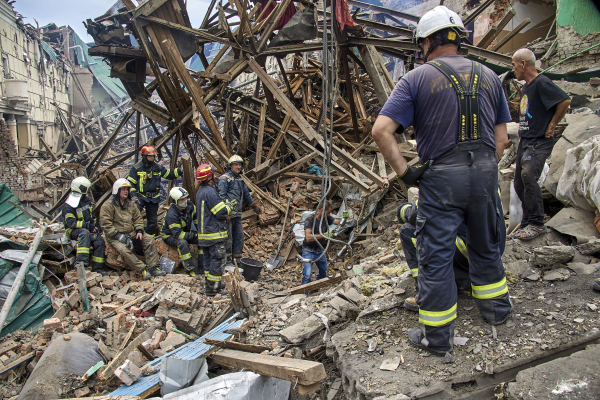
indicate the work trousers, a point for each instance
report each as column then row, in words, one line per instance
column 531, row 157
column 129, row 257
column 87, row 241
column 213, row 261
column 460, row 186
column 460, row 265
column 151, row 214
column 183, row 248
column 235, row 238
column 312, row 254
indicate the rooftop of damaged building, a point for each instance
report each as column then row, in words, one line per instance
column 252, row 80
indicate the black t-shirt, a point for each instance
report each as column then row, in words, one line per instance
column 538, row 105
column 320, row 226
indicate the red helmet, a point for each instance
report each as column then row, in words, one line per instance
column 203, row 172
column 148, row 151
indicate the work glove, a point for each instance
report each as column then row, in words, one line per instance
column 412, row 175
column 125, row 239
column 328, row 234
column 256, row 208
column 180, row 171
column 345, row 214
column 135, row 199
column 231, row 203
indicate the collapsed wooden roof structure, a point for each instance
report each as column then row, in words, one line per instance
column 277, row 127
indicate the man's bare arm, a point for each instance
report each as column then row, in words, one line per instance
column 501, row 139
column 561, row 110
column 383, row 135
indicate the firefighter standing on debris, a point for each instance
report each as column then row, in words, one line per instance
column 82, row 225
column 122, row 223
column 407, row 215
column 213, row 214
column 180, row 228
column 233, row 189
column 145, row 177
column 459, row 113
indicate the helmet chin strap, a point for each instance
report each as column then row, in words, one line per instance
column 432, row 47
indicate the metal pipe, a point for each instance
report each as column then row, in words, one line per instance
column 16, row 286
column 568, row 58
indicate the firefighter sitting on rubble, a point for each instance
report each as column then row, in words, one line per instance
column 213, row 215
column 82, row 225
column 180, row 228
column 122, row 223
column 145, row 177
column 407, row 215
column 233, row 189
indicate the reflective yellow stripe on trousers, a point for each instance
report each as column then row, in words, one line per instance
column 437, row 318
column 490, row 291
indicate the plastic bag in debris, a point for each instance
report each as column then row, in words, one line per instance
column 62, row 361
column 579, row 184
column 235, row 386
column 315, row 170
column 177, row 374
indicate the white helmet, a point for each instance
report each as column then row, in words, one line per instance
column 176, row 194
column 80, row 184
column 120, row 183
column 441, row 17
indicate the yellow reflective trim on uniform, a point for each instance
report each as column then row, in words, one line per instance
column 185, row 257
column 500, row 198
column 213, row 278
column 461, row 247
column 176, row 173
column 200, row 251
column 175, row 225
column 97, row 259
column 167, row 172
column 414, row 242
column 69, row 215
column 414, row 272
column 164, row 235
column 217, row 208
column 490, row 291
column 181, row 235
column 79, row 224
column 130, row 179
column 403, row 211
column 142, row 179
column 437, row 318
column 211, row 236
column 83, row 250
column 201, row 218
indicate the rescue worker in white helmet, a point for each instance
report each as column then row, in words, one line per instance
column 123, row 223
column 233, row 189
column 459, row 114
column 180, row 229
column 82, row 225
column 213, row 213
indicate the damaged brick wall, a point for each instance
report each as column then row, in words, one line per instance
column 20, row 182
column 569, row 43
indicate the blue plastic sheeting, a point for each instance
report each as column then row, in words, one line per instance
column 190, row 351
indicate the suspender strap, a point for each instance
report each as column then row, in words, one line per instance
column 468, row 99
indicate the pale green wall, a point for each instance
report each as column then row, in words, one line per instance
column 582, row 15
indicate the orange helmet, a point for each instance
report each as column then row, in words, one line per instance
column 203, row 172
column 148, row 151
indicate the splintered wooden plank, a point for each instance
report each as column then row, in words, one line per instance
column 288, row 168
column 261, row 133
column 284, row 127
column 122, row 356
column 196, row 93
column 251, row 348
column 303, row 372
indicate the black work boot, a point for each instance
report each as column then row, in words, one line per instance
column 209, row 289
column 417, row 339
column 156, row 271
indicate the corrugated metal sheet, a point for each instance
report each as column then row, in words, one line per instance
column 190, row 351
column 101, row 71
column 11, row 215
column 49, row 50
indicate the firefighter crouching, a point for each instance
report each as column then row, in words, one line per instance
column 180, row 228
column 213, row 215
column 145, row 177
column 81, row 225
column 121, row 221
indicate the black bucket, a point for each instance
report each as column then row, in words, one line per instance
column 251, row 268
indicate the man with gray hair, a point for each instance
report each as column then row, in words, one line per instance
column 543, row 105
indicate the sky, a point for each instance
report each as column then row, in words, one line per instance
column 74, row 12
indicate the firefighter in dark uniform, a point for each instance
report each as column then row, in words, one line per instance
column 459, row 112
column 82, row 225
column 213, row 216
column 145, row 177
column 180, row 228
column 407, row 215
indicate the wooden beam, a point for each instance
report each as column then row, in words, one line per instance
column 288, row 168
column 372, row 61
column 261, row 133
column 250, row 348
column 511, row 34
column 350, row 94
column 256, row 190
column 189, row 182
column 196, row 92
column 277, row 14
column 284, row 127
column 48, row 149
column 495, row 30
column 303, row 372
column 122, row 356
column 477, row 12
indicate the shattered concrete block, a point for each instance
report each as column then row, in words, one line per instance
column 180, row 318
column 124, row 298
column 182, row 302
column 346, row 309
column 74, row 298
column 558, row 274
column 352, row 294
column 548, row 255
column 148, row 370
column 52, row 323
column 583, row 269
column 309, row 326
column 128, row 373
column 173, row 339
column 84, row 391
column 162, row 312
column 517, row 268
column 136, row 358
